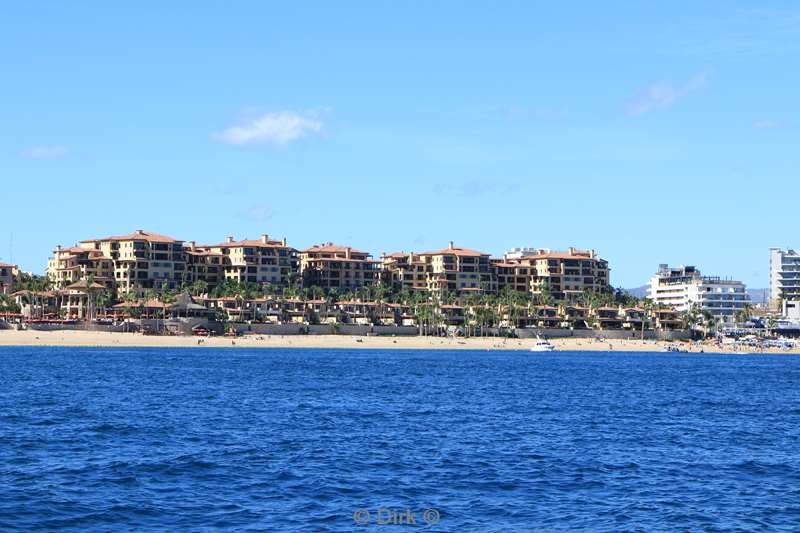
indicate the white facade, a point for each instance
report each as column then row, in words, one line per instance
column 784, row 276
column 521, row 253
column 791, row 310
column 683, row 287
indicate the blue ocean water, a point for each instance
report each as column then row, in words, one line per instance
column 316, row 440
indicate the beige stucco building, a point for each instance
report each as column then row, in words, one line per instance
column 8, row 274
column 128, row 263
column 405, row 270
column 262, row 261
column 451, row 269
column 69, row 265
column 331, row 266
column 564, row 275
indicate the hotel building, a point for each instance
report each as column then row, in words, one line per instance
column 70, row 265
column 684, row 287
column 453, row 269
column 262, row 261
column 405, row 270
column 784, row 276
column 134, row 262
column 458, row 269
column 331, row 266
column 7, row 275
column 565, row 275
column 204, row 265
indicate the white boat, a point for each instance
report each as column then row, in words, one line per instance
column 674, row 348
column 542, row 345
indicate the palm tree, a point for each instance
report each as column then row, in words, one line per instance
column 709, row 321
column 91, row 297
column 199, row 287
column 692, row 318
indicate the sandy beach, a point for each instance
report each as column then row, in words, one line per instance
column 90, row 338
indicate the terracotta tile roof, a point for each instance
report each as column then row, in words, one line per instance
column 78, row 249
column 557, row 255
column 403, row 255
column 456, row 250
column 35, row 293
column 341, row 260
column 333, row 248
column 83, row 284
column 149, row 304
column 250, row 243
column 138, row 236
column 202, row 252
column 7, row 265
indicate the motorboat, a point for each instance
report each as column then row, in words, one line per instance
column 542, row 345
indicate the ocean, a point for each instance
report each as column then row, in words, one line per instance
column 278, row 440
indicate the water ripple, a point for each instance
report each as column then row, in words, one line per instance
column 298, row 440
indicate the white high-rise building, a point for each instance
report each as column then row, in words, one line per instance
column 784, row 276
column 683, row 287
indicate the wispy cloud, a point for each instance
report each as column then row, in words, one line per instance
column 278, row 128
column 45, row 152
column 257, row 213
column 663, row 94
column 770, row 124
column 476, row 188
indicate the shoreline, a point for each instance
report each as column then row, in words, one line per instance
column 78, row 338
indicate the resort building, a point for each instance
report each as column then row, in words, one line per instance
column 70, row 265
column 405, row 270
column 261, row 261
column 683, row 288
column 127, row 263
column 784, row 277
column 451, row 269
column 204, row 265
column 513, row 275
column 143, row 260
column 8, row 274
column 564, row 275
column 79, row 300
column 331, row 266
column 37, row 304
column 457, row 269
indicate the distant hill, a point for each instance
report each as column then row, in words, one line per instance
column 638, row 292
column 757, row 296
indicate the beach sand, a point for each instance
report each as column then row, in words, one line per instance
column 92, row 338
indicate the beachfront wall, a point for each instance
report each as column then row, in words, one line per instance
column 185, row 326
column 362, row 330
column 81, row 326
column 323, row 329
column 179, row 326
column 558, row 333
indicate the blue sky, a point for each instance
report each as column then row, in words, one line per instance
column 648, row 131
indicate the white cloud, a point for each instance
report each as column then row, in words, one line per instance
column 44, row 152
column 257, row 213
column 663, row 94
column 278, row 128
